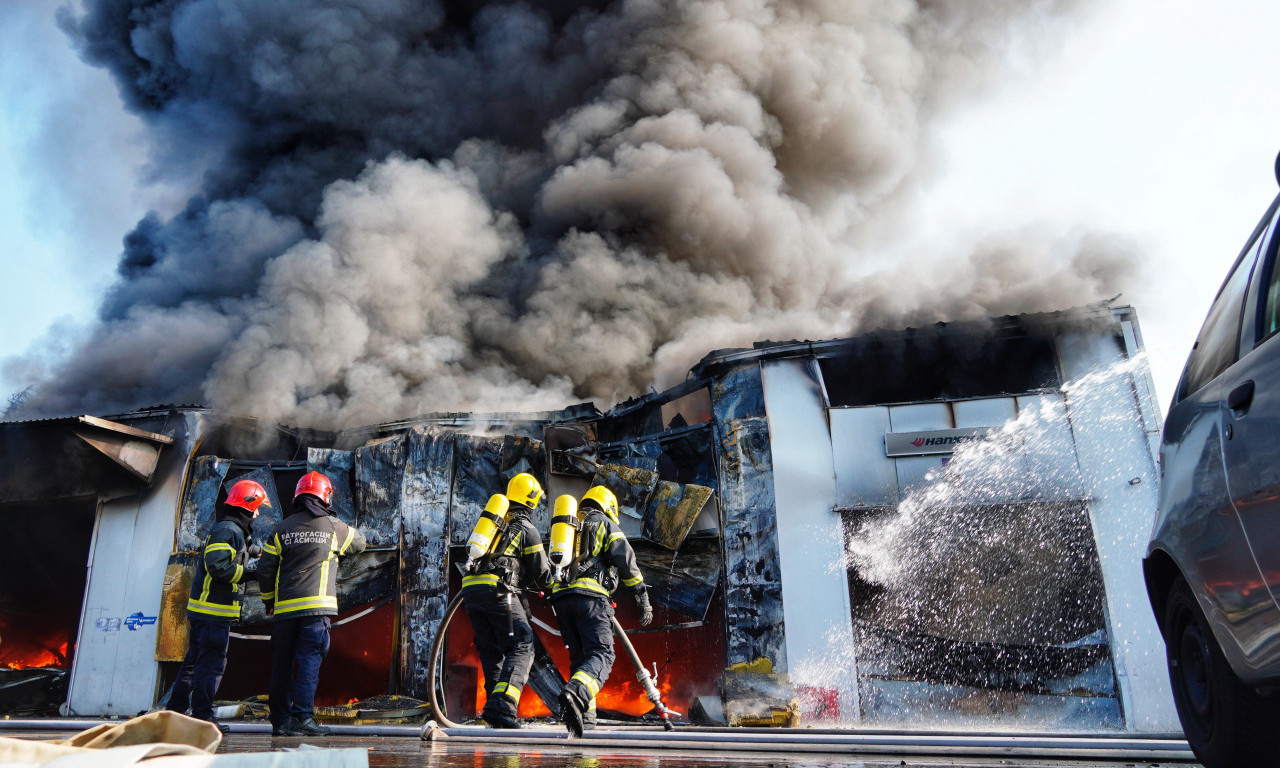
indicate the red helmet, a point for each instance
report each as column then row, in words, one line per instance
column 317, row 485
column 247, row 494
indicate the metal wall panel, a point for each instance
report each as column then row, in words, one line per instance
column 918, row 417
column 988, row 412
column 864, row 475
column 379, row 470
column 1118, row 467
column 753, row 591
column 1049, row 448
column 815, row 589
column 424, row 499
column 115, row 672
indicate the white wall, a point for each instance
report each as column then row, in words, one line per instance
column 815, row 588
column 115, row 672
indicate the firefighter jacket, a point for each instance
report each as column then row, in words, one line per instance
column 218, row 583
column 518, row 559
column 298, row 570
column 604, row 557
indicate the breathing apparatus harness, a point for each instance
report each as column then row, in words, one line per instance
column 586, row 564
column 508, row 576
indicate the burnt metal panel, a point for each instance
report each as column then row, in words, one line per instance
column 268, row 517
column 483, row 465
column 172, row 628
column 570, row 448
column 477, row 475
column 337, row 466
column 424, row 503
column 203, row 484
column 632, row 485
column 47, row 460
column 753, row 582
column 686, row 580
column 366, row 577
column 738, row 394
column 671, row 511
column 379, row 471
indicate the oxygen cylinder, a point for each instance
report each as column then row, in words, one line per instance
column 564, row 528
column 492, row 521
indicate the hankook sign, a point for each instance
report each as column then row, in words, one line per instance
column 938, row 441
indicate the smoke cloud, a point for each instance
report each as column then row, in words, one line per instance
column 422, row 206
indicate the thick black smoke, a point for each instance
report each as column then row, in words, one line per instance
column 410, row 206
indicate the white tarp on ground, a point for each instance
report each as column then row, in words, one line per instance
column 163, row 740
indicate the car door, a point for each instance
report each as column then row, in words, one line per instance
column 1197, row 522
column 1250, row 413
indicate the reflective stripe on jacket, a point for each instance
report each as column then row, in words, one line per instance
column 299, row 565
column 216, row 588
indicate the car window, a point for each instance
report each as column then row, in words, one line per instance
column 1271, row 305
column 1217, row 344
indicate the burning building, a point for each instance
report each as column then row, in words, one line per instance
column 918, row 527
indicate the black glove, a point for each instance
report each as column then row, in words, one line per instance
column 646, row 610
column 254, row 551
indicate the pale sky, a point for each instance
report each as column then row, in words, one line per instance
column 1153, row 122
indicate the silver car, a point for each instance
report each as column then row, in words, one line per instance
column 1213, row 565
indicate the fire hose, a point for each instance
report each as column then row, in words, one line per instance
column 646, row 680
column 651, row 691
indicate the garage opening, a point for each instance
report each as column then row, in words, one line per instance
column 43, row 575
column 1001, row 613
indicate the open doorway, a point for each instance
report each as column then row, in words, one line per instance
column 42, row 581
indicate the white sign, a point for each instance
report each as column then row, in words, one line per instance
column 938, row 441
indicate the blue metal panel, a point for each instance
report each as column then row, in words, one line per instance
column 424, row 496
column 379, row 470
column 337, row 466
column 203, row 488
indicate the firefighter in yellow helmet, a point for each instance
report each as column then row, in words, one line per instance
column 584, row 608
column 510, row 558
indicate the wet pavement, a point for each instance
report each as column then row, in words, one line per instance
column 407, row 750
column 402, row 752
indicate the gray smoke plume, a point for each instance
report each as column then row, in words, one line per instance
column 414, row 206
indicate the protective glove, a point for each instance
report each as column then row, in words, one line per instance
column 254, row 551
column 270, row 605
column 646, row 610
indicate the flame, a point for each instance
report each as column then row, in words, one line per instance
column 33, row 653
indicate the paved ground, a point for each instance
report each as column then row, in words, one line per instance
column 543, row 747
column 399, row 752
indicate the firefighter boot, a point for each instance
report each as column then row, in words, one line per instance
column 572, row 706
column 496, row 718
column 308, row 727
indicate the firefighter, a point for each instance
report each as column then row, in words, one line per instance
column 584, row 608
column 214, row 604
column 298, row 575
column 498, row 612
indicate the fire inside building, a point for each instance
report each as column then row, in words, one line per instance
column 916, row 527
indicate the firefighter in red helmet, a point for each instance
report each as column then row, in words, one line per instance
column 298, row 576
column 214, row 603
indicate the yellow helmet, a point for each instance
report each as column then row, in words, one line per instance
column 604, row 500
column 525, row 489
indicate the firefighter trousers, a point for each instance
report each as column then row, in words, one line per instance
column 202, row 669
column 586, row 623
column 504, row 641
column 302, row 644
